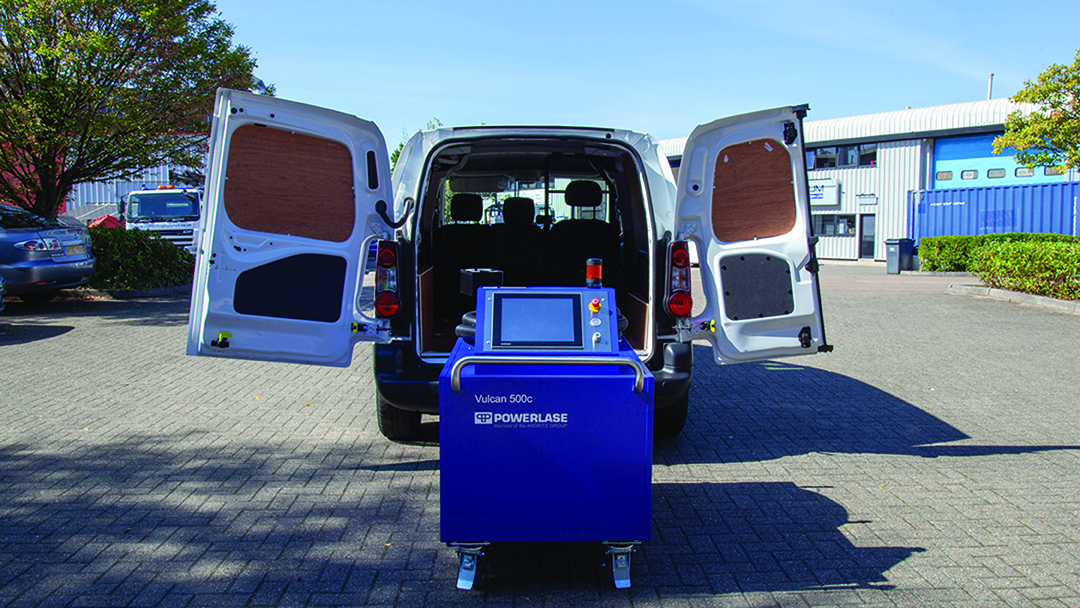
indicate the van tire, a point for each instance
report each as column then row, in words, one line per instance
column 395, row 424
column 669, row 421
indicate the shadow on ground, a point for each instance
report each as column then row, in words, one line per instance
column 146, row 521
column 711, row 539
column 164, row 311
column 201, row 520
column 24, row 333
column 762, row 411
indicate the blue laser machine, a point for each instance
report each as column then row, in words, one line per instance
column 545, row 428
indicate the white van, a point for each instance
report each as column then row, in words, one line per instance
column 296, row 194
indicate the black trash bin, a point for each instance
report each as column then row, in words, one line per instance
column 898, row 254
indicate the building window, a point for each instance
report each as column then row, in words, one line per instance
column 969, row 174
column 943, row 176
column 824, row 158
column 1024, row 172
column 995, row 173
column 847, row 156
column 834, row 225
column 863, row 155
column 868, row 155
column 1053, row 171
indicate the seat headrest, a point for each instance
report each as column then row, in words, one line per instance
column 518, row 212
column 466, row 207
column 583, row 194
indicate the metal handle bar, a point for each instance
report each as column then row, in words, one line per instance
column 455, row 371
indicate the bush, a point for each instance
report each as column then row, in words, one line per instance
column 954, row 253
column 944, row 253
column 138, row 259
column 1041, row 268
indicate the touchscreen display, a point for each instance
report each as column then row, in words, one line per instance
column 550, row 320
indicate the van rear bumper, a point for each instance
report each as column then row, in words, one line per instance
column 409, row 384
column 671, row 381
column 403, row 380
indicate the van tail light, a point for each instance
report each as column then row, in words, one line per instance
column 678, row 302
column 387, row 297
column 387, row 304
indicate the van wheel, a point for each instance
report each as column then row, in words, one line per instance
column 395, row 424
column 669, row 421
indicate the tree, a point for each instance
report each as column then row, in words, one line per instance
column 1049, row 134
column 92, row 90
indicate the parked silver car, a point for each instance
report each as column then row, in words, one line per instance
column 38, row 257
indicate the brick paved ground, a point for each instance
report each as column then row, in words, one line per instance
column 933, row 459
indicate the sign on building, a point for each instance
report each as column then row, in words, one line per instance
column 824, row 192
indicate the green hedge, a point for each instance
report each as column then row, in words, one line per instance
column 1046, row 269
column 954, row 253
column 138, row 259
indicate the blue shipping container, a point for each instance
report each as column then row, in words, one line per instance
column 1035, row 208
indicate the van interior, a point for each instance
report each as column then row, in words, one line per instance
column 536, row 209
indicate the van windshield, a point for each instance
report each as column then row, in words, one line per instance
column 163, row 206
column 548, row 198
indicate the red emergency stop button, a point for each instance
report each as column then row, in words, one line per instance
column 594, row 306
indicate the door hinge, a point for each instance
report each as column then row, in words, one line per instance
column 376, row 329
column 806, row 337
column 685, row 330
column 790, row 133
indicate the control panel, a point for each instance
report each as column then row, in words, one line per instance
column 548, row 320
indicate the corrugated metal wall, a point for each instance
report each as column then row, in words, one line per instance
column 101, row 193
column 899, row 169
column 1035, row 208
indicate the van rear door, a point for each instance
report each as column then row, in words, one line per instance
column 289, row 207
column 743, row 199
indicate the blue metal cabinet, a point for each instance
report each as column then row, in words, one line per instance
column 545, row 446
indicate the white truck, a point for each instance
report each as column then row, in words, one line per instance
column 169, row 211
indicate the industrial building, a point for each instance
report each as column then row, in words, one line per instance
column 872, row 177
column 902, row 174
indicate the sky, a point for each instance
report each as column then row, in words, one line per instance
column 661, row 67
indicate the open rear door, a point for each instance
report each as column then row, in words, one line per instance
column 289, row 206
column 743, row 200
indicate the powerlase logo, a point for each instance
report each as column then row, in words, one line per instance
column 516, row 418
